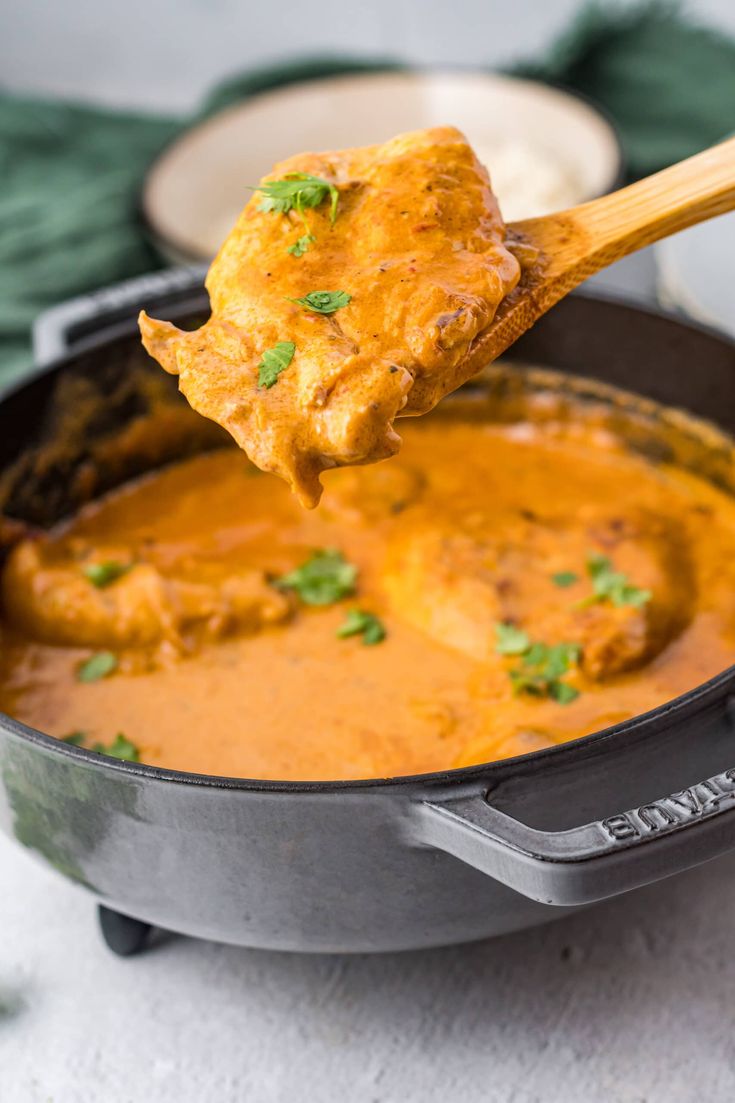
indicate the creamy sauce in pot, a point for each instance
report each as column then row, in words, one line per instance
column 220, row 668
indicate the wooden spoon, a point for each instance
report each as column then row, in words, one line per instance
column 563, row 249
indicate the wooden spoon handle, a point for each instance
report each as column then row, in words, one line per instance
column 571, row 245
column 674, row 199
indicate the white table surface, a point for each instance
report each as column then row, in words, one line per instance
column 632, row 1001
column 629, row 1002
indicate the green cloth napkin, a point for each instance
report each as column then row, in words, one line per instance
column 71, row 174
column 667, row 84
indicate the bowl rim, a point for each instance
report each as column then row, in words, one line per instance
column 170, row 245
column 689, row 701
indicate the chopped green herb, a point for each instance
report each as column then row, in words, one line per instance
column 323, row 302
column 611, row 585
column 511, row 640
column 76, row 739
column 121, row 747
column 103, row 574
column 97, row 666
column 301, row 245
column 564, row 579
column 274, row 361
column 359, row 623
column 323, row 579
column 560, row 657
column 542, row 668
column 295, row 192
column 563, row 692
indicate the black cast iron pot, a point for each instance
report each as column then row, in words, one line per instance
column 371, row 865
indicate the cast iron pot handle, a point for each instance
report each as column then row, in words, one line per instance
column 592, row 862
column 62, row 329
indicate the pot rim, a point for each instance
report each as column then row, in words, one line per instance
column 650, row 719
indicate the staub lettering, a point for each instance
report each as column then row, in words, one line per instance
column 668, row 813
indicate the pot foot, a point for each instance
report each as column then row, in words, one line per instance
column 124, row 935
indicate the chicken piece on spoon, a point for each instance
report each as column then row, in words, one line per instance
column 396, row 256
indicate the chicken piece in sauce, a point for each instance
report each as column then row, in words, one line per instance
column 47, row 593
column 500, row 567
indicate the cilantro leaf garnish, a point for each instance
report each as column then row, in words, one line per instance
column 359, row 623
column 511, row 640
column 121, row 748
column 273, row 362
column 323, row 302
column 563, row 693
column 559, row 658
column 611, row 585
column 326, row 577
column 105, row 573
column 542, row 665
column 75, row 739
column 301, row 245
column 97, row 666
column 563, row 579
column 542, row 668
column 297, row 191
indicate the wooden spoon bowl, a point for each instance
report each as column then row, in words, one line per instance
column 559, row 251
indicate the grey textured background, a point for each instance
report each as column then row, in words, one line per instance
column 165, row 53
column 633, row 1001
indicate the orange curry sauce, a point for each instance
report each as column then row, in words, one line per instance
column 476, row 523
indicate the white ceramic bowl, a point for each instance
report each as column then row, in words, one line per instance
column 546, row 149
